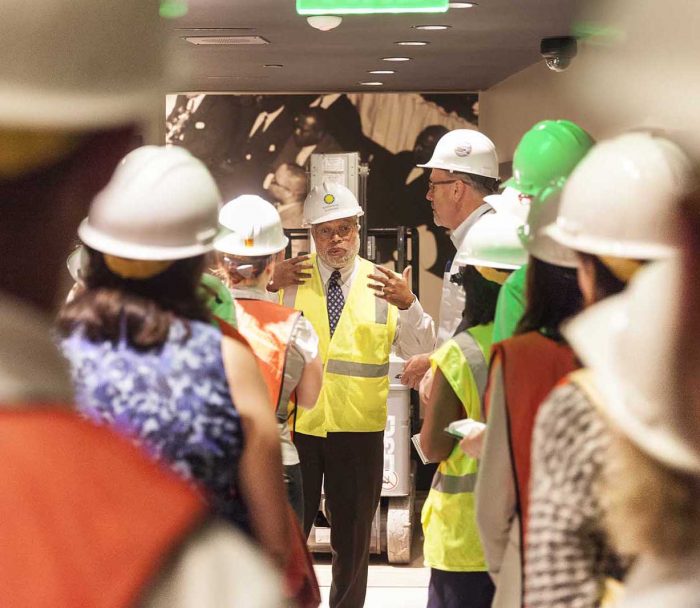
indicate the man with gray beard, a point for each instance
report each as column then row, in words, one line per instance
column 341, row 440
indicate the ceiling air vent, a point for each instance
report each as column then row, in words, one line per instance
column 226, row 40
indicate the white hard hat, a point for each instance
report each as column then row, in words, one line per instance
column 620, row 199
column 330, row 201
column 493, row 242
column 628, row 341
column 80, row 64
column 161, row 204
column 252, row 227
column 510, row 201
column 543, row 211
column 76, row 263
column 465, row 151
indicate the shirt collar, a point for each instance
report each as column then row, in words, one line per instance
column 345, row 273
column 31, row 367
column 250, row 293
column 460, row 232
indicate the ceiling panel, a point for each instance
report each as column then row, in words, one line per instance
column 484, row 45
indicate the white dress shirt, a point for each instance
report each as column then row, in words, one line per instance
column 415, row 331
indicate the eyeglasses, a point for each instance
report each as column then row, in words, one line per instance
column 431, row 185
column 326, row 232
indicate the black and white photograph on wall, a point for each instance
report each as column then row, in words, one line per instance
column 262, row 144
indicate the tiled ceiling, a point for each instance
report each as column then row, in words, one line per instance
column 483, row 45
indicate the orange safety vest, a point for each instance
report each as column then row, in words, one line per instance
column 268, row 328
column 532, row 365
column 87, row 520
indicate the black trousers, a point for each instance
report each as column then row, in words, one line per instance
column 460, row 589
column 350, row 466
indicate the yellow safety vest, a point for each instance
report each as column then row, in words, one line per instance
column 355, row 361
column 452, row 540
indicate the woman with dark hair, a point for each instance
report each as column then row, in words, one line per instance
column 618, row 211
column 523, row 370
column 459, row 367
column 145, row 356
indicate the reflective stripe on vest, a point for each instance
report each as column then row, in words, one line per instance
column 102, row 519
column 356, row 360
column 531, row 367
column 268, row 327
column 449, row 522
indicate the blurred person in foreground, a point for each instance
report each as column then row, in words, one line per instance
column 88, row 520
column 452, row 548
column 617, row 211
column 650, row 485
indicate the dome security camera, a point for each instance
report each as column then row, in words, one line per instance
column 558, row 52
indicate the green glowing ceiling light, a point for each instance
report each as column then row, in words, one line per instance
column 349, row 7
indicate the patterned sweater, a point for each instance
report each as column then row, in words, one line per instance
column 568, row 557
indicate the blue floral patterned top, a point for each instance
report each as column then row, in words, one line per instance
column 173, row 400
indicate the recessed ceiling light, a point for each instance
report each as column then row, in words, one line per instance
column 412, row 43
column 381, row 71
column 396, row 59
column 273, row 65
column 462, row 4
column 432, row 28
column 371, row 84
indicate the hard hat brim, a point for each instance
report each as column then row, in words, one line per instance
column 593, row 334
column 103, row 243
column 229, row 242
column 601, row 246
column 336, row 215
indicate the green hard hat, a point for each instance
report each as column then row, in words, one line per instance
column 218, row 298
column 547, row 154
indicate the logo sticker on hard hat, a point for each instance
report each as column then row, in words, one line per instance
column 329, row 199
column 249, row 243
column 463, row 150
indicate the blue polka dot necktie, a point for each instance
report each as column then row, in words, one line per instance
column 334, row 300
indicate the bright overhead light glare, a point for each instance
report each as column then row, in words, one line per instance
column 462, row 4
column 371, row 83
column 412, row 43
column 396, row 59
column 432, row 28
column 359, row 7
column 381, row 71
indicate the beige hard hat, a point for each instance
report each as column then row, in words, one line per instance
column 330, row 201
column 629, row 343
column 161, row 204
column 80, row 64
column 620, row 199
column 465, row 151
column 251, row 227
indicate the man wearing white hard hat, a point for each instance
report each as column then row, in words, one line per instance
column 340, row 440
column 618, row 211
column 80, row 504
column 463, row 170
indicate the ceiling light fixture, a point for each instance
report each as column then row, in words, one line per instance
column 462, row 4
column 225, row 40
column 381, row 71
column 273, row 65
column 431, row 28
column 412, row 43
column 371, row 84
column 396, row 59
